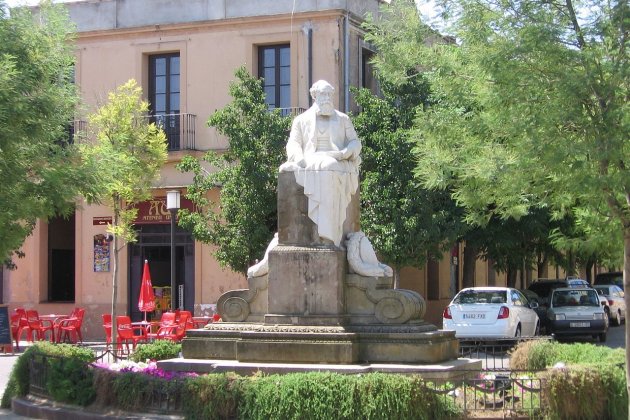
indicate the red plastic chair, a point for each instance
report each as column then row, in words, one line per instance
column 189, row 324
column 127, row 332
column 70, row 328
column 19, row 324
column 40, row 326
column 165, row 326
column 107, row 326
column 176, row 331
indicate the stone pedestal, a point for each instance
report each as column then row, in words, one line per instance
column 306, row 286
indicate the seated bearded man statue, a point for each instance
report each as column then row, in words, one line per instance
column 323, row 151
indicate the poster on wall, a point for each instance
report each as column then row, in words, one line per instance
column 101, row 253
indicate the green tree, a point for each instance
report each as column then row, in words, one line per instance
column 244, row 221
column 41, row 171
column 127, row 154
column 405, row 222
column 531, row 108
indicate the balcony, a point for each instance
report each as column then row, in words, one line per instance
column 75, row 132
column 179, row 130
column 285, row 112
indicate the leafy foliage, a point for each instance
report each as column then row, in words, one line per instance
column 67, row 382
column 157, row 350
column 127, row 154
column 217, row 396
column 541, row 354
column 404, row 221
column 529, row 109
column 244, row 221
column 328, row 395
column 41, row 173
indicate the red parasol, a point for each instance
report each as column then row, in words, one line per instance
column 146, row 300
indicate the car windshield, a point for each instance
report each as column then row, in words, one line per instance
column 481, row 296
column 603, row 290
column 575, row 298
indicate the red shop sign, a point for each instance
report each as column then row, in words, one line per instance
column 154, row 211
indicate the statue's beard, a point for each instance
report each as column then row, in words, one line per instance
column 325, row 108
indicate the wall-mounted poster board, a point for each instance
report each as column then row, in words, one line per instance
column 6, row 340
column 101, row 253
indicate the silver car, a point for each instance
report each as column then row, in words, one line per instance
column 577, row 311
column 616, row 303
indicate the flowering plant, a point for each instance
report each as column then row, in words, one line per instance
column 148, row 368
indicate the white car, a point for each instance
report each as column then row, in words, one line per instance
column 491, row 312
column 615, row 301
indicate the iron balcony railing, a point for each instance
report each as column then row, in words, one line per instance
column 290, row 111
column 179, row 130
column 76, row 131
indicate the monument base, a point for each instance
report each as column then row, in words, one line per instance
column 451, row 370
column 243, row 342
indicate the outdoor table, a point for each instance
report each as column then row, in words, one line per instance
column 145, row 325
column 53, row 319
column 200, row 321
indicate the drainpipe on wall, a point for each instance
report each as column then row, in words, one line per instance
column 346, row 62
column 308, row 31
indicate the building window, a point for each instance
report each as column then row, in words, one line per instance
column 274, row 67
column 164, row 95
column 367, row 79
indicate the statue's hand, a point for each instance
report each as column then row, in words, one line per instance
column 339, row 155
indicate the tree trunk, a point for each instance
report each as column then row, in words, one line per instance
column 511, row 277
column 396, row 277
column 626, row 288
column 115, row 276
column 589, row 270
column 470, row 259
column 541, row 266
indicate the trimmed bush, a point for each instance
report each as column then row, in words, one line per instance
column 216, row 396
column 157, row 350
column 589, row 384
column 68, row 379
column 19, row 382
column 585, row 392
column 541, row 354
column 328, row 395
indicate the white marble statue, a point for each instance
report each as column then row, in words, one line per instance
column 261, row 268
column 362, row 258
column 323, row 151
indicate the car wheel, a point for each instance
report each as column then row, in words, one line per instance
column 602, row 337
column 518, row 331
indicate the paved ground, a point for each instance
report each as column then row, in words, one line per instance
column 6, row 364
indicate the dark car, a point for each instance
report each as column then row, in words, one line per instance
column 540, row 310
column 614, row 277
column 544, row 287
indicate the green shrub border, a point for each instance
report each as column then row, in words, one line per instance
column 317, row 395
column 581, row 380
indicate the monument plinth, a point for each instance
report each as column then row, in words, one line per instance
column 320, row 295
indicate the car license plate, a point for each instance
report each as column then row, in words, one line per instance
column 579, row 324
column 474, row 316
